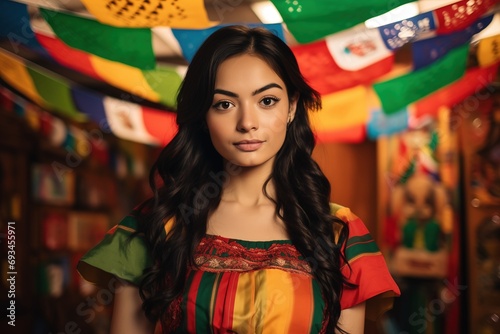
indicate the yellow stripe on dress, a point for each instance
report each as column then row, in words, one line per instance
column 280, row 301
column 244, row 303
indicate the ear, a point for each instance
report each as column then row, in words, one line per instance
column 292, row 107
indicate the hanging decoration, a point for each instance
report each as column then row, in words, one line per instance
column 426, row 51
column 150, row 13
column 399, row 92
column 191, row 39
column 323, row 73
column 460, row 15
column 311, row 20
column 339, row 56
column 129, row 46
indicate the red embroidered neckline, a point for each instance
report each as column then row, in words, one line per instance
column 218, row 254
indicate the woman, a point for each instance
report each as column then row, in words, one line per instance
column 240, row 236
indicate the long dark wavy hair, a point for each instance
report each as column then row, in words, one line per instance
column 190, row 163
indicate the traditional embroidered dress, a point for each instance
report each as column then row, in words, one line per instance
column 249, row 286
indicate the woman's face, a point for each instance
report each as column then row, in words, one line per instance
column 248, row 118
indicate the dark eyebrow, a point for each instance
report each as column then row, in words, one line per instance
column 266, row 87
column 260, row 90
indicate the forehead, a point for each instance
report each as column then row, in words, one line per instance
column 245, row 72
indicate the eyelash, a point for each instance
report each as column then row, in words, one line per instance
column 273, row 98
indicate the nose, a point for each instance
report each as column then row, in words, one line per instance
column 247, row 119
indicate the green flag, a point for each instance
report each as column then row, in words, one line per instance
column 131, row 46
column 310, row 20
column 399, row 92
column 166, row 82
column 56, row 93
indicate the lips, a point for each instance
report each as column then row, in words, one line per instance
column 249, row 145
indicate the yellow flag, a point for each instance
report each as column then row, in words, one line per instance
column 13, row 71
column 152, row 13
column 126, row 77
column 488, row 51
column 341, row 110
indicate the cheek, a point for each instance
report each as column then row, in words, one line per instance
column 276, row 124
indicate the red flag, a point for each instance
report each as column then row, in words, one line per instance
column 473, row 81
column 67, row 56
column 323, row 74
column 460, row 15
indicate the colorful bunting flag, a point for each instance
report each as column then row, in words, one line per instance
column 357, row 48
column 381, row 124
column 488, row 51
column 397, row 34
column 397, row 93
column 310, row 20
column 16, row 28
column 461, row 14
column 158, row 85
column 352, row 134
column 67, row 56
column 14, row 72
column 126, row 120
column 342, row 110
column 323, row 74
column 150, row 13
column 428, row 50
column 131, row 46
column 191, row 39
column 160, row 124
column 472, row 82
column 55, row 92
column 90, row 104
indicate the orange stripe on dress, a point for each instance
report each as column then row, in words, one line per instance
column 191, row 302
column 303, row 306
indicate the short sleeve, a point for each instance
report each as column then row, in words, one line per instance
column 119, row 254
column 367, row 269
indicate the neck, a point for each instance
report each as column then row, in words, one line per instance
column 245, row 185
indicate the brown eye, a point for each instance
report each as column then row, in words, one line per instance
column 269, row 101
column 223, row 105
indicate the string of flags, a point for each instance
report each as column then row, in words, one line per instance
column 78, row 143
column 366, row 94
